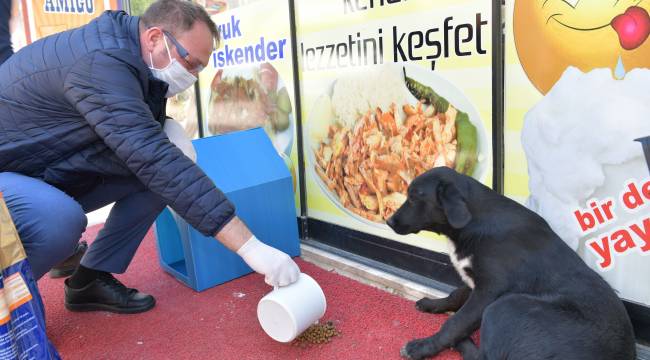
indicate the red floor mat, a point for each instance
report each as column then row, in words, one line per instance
column 221, row 323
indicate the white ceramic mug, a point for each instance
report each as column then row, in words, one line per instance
column 287, row 311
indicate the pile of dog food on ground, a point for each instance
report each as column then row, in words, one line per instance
column 317, row 334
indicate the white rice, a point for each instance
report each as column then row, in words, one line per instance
column 367, row 89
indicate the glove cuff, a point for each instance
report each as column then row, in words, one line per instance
column 250, row 244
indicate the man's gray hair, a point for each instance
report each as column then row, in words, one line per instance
column 177, row 16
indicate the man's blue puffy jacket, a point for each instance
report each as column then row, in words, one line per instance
column 81, row 106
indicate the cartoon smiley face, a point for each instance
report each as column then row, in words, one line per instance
column 551, row 35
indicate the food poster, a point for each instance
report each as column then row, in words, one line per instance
column 577, row 75
column 249, row 82
column 390, row 90
column 181, row 107
column 47, row 17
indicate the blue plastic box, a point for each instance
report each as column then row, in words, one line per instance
column 248, row 169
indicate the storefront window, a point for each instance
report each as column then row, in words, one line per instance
column 409, row 85
column 250, row 80
column 576, row 104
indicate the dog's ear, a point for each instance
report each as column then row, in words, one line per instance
column 453, row 203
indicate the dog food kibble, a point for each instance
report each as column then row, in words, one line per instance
column 317, row 334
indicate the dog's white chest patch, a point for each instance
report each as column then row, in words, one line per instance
column 461, row 265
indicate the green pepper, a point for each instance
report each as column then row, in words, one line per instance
column 467, row 145
column 426, row 94
column 466, row 133
column 283, row 100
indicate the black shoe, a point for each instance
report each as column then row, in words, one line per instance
column 67, row 266
column 106, row 293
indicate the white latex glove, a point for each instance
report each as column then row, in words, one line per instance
column 177, row 135
column 277, row 267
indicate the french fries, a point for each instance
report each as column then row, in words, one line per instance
column 370, row 166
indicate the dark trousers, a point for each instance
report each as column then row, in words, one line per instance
column 50, row 222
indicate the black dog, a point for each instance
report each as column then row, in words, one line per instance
column 530, row 294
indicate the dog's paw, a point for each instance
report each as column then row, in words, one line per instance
column 404, row 353
column 427, row 305
column 417, row 349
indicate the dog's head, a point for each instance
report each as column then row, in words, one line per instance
column 434, row 203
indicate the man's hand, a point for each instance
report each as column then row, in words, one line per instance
column 277, row 267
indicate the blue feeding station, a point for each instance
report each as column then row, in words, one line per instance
column 249, row 171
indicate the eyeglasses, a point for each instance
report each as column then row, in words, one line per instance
column 184, row 54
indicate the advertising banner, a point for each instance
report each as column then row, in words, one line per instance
column 389, row 90
column 577, row 114
column 47, row 17
column 249, row 82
